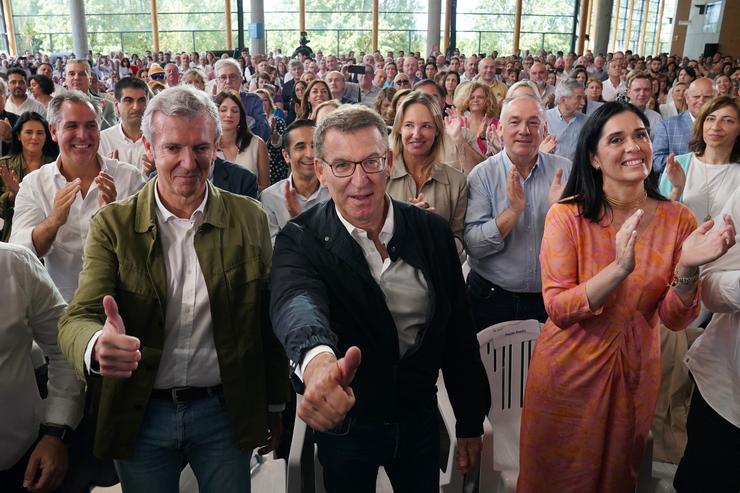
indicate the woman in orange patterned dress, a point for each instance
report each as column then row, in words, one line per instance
column 617, row 258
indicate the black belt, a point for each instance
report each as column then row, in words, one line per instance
column 496, row 288
column 180, row 395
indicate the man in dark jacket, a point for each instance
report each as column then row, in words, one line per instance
column 364, row 273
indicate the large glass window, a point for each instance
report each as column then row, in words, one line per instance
column 332, row 25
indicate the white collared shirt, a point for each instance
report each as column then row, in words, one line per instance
column 31, row 309
column 189, row 356
column 273, row 200
column 609, row 92
column 405, row 288
column 35, row 202
column 129, row 151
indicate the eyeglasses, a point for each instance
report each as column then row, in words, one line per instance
column 403, row 82
column 225, row 77
column 370, row 165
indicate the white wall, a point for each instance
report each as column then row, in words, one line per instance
column 696, row 37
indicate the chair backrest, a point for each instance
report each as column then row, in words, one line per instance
column 506, row 349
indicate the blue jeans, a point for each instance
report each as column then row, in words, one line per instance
column 492, row 304
column 199, row 433
column 408, row 449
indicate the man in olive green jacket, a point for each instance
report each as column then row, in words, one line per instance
column 171, row 310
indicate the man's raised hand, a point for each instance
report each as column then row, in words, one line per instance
column 117, row 354
column 328, row 396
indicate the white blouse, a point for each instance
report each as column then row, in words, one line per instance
column 709, row 187
column 713, row 358
column 249, row 157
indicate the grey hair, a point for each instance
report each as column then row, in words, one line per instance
column 185, row 101
column 347, row 119
column 80, row 61
column 54, row 110
column 509, row 101
column 522, row 83
column 224, row 62
column 295, row 63
column 565, row 88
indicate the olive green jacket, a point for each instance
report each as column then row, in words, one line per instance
column 124, row 258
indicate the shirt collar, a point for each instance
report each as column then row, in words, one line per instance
column 58, row 166
column 508, row 164
column 314, row 194
column 164, row 214
column 399, row 170
column 386, row 232
column 124, row 137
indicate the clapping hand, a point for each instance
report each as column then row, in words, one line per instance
column 676, row 176
column 549, row 144
column 106, row 188
column 514, row 191
column 63, row 201
column 556, row 187
column 11, row 181
column 625, row 242
column 419, row 201
column 706, row 244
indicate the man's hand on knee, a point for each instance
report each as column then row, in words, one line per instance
column 328, row 396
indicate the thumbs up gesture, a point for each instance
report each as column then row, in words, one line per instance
column 328, row 396
column 117, row 354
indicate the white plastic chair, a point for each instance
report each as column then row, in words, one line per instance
column 505, row 349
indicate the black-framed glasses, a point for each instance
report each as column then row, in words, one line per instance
column 370, row 165
column 403, row 82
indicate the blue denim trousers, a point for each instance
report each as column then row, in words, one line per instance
column 492, row 305
column 198, row 433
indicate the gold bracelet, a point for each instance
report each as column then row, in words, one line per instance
column 685, row 281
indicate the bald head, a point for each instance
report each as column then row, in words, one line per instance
column 699, row 93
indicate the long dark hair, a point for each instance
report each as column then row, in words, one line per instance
column 585, row 185
column 243, row 134
column 50, row 148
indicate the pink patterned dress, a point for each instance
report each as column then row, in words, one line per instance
column 594, row 375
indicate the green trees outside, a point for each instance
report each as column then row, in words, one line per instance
column 333, row 25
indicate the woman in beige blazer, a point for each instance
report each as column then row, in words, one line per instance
column 418, row 175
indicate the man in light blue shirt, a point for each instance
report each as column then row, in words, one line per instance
column 287, row 198
column 564, row 121
column 509, row 195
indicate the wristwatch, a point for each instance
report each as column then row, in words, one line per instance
column 64, row 433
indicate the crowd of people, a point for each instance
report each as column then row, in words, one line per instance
column 185, row 234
